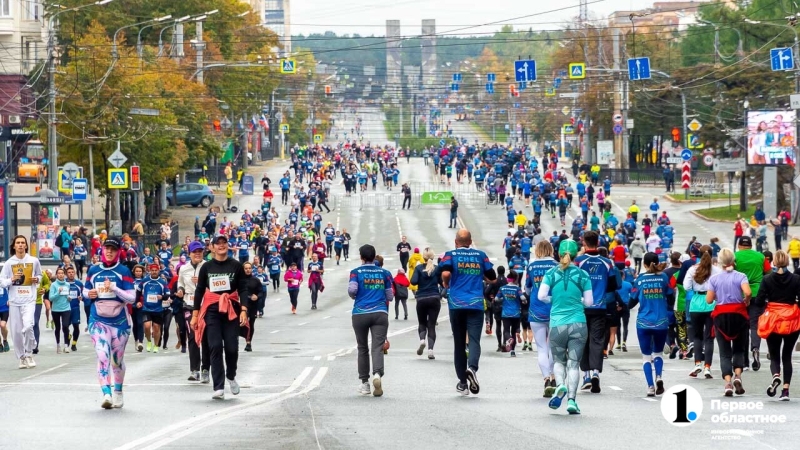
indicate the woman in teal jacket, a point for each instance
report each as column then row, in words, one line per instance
column 61, row 310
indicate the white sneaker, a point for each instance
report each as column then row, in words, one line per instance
column 107, row 403
column 58, row 349
column 23, row 363
column 421, row 347
column 376, row 383
column 118, row 401
column 696, row 371
column 66, row 348
column 218, row 395
column 30, row 361
column 430, row 354
column 707, row 373
column 364, row 388
column 234, row 387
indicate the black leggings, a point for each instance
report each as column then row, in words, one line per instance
column 427, row 314
column 498, row 327
column 314, row 292
column 276, row 280
column 76, row 331
column 284, row 196
column 61, row 320
column 703, row 342
column 622, row 331
column 165, row 327
column 346, row 250
column 293, row 296
column 252, row 314
column 510, row 330
column 774, row 343
column 397, row 302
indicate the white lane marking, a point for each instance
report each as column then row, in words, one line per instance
column 317, row 380
column 274, row 331
column 317, row 358
column 326, row 317
column 351, row 350
column 205, row 420
column 44, row 372
column 649, row 399
column 615, row 388
column 301, row 324
column 331, row 357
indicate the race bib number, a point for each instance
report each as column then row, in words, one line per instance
column 63, row 291
column 276, row 267
column 153, row 298
column 103, row 292
column 165, row 304
column 219, row 283
column 189, row 299
column 25, row 291
column 243, row 246
column 73, row 294
column 314, row 268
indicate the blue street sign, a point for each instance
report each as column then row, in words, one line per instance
column 562, row 73
column 557, row 83
column 491, row 78
column 247, row 185
column 454, row 87
column 79, row 188
column 516, row 105
column 639, row 69
column 456, row 77
column 441, row 143
column 617, row 129
column 686, row 154
column 490, row 88
column 525, row 70
column 781, row 59
column 523, row 85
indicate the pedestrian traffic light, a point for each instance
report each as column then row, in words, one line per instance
column 676, row 137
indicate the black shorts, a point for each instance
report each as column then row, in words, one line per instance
column 526, row 324
column 612, row 317
column 155, row 317
column 4, row 316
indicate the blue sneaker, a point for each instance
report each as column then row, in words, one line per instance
column 587, row 384
column 572, row 407
column 558, row 396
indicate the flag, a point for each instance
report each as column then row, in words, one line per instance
column 253, row 123
column 263, row 122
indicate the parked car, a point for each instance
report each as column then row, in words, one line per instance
column 194, row 194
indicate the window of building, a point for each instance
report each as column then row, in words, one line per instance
column 32, row 9
column 5, row 8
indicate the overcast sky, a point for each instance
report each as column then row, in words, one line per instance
column 368, row 17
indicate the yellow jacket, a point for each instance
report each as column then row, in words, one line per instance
column 520, row 220
column 413, row 261
column 794, row 248
column 229, row 191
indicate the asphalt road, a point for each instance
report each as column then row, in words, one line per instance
column 299, row 383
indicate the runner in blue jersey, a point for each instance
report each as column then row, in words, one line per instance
column 274, row 262
column 463, row 272
column 4, row 347
column 152, row 293
column 511, row 297
column 75, row 298
column 539, row 312
column 652, row 322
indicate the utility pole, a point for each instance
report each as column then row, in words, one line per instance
column 52, row 154
column 199, row 46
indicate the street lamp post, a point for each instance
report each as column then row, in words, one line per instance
column 52, row 149
column 161, row 35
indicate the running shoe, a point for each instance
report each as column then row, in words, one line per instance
column 248, row 348
column 36, row 351
column 587, row 384
column 572, row 407
column 624, row 348
column 421, row 347
column 707, row 373
column 218, row 395
column 508, row 344
column 149, row 346
column 651, row 391
column 673, row 352
column 488, row 329
column 756, row 361
column 462, row 389
column 204, row 378
column 558, row 396
column 377, row 384
column 177, row 345
column 499, row 349
column 773, row 387
column 117, row 399
column 690, row 352
column 513, row 354
column 364, row 388
column 605, row 354
column 234, row 387
column 58, row 349
column 696, row 371
column 139, row 347
column 430, row 354
column 74, row 348
column 155, row 349
column 737, row 385
column 659, row 386
column 611, row 353
column 183, row 349
column 728, row 390
column 595, row 384
column 107, row 402
column 549, row 388
column 31, row 362
column 23, row 363
column 619, row 347
column 2, row 349
column 472, row 379
column 66, row 348
column 194, row 376
column 294, row 310
column 784, row 395
column 5, row 346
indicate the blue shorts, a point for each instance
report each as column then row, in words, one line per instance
column 651, row 341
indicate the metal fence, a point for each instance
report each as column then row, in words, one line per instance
column 394, row 201
column 653, row 177
column 153, row 235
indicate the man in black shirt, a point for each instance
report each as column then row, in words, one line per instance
column 222, row 310
column 297, row 250
column 406, row 195
column 453, row 212
column 404, row 248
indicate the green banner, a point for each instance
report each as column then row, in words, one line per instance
column 227, row 155
column 436, row 198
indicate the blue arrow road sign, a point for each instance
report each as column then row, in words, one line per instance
column 639, row 69
column 781, row 59
column 523, row 85
column 516, row 105
column 454, row 87
column 617, row 129
column 456, row 77
column 525, row 70
column 686, row 154
column 490, row 88
column 557, row 83
column 491, row 78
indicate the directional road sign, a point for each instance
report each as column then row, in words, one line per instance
column 577, row 71
column 456, row 77
column 730, row 165
column 522, row 85
column 525, row 70
column 454, row 87
column 433, row 198
column 781, row 58
column 79, row 188
column 617, row 129
column 557, row 83
column 686, row 154
column 117, row 159
column 491, row 78
column 118, row 179
column 639, row 69
column 288, row 66
column 490, row 88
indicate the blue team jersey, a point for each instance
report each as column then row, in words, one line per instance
column 538, row 311
column 373, row 281
column 525, row 245
column 625, row 291
column 652, row 291
column 244, row 248
column 119, row 276
column 274, row 264
column 154, row 292
column 165, row 256
column 75, row 289
column 512, row 303
column 3, row 300
column 599, row 269
column 517, row 263
column 466, row 267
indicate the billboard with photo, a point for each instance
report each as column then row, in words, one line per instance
column 771, row 138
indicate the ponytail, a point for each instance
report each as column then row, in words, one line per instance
column 566, row 260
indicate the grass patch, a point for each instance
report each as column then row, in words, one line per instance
column 500, row 132
column 679, row 198
column 727, row 213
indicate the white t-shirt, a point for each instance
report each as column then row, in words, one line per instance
column 24, row 293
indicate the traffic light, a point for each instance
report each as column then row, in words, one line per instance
column 676, row 137
column 512, row 89
column 327, row 90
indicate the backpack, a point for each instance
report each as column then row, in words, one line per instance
column 60, row 240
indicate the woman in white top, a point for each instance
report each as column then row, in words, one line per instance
column 21, row 275
column 699, row 310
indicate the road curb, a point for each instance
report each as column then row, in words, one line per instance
column 709, row 219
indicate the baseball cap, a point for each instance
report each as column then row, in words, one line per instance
column 113, row 241
column 153, row 266
column 195, row 246
column 220, row 237
column 745, row 241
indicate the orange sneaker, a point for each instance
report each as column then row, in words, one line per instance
column 294, row 310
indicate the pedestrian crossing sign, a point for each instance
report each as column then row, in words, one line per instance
column 285, row 128
column 118, row 178
column 317, row 138
column 550, row 92
column 288, row 66
column 577, row 71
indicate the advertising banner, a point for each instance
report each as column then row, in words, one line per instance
column 771, row 138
